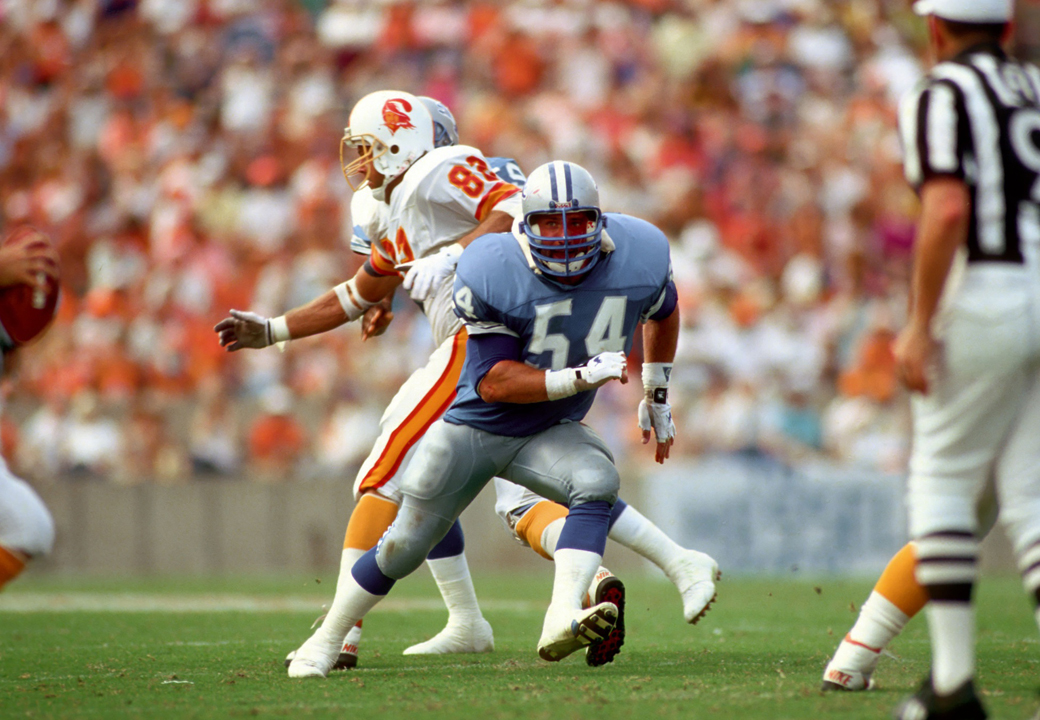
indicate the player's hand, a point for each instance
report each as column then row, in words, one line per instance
column 377, row 319
column 244, row 330
column 602, row 369
column 657, row 417
column 426, row 274
column 915, row 351
column 24, row 260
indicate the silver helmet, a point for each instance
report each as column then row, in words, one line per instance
column 564, row 188
column 445, row 129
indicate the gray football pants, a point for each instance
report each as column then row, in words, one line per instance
column 568, row 463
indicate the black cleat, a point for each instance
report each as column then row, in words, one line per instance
column 962, row 704
column 607, row 587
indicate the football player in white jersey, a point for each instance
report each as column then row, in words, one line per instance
column 26, row 527
column 437, row 201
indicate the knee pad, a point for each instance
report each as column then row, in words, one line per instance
column 409, row 540
column 589, row 477
column 25, row 522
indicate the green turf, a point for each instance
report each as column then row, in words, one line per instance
column 758, row 654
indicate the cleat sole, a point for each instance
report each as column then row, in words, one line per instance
column 601, row 653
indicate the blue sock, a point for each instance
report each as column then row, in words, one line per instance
column 615, row 512
column 450, row 545
column 368, row 575
column 586, row 527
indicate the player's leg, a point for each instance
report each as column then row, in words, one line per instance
column 692, row 572
column 896, row 597
column 467, row 631
column 26, row 526
column 447, row 473
column 537, row 523
column 571, row 464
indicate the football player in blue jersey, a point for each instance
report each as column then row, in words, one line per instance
column 551, row 310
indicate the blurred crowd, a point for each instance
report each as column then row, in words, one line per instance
column 184, row 156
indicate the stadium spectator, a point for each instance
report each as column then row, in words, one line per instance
column 168, row 149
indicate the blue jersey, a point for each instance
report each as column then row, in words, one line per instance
column 558, row 326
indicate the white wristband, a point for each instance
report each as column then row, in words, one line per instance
column 351, row 301
column 561, row 384
column 655, row 381
column 279, row 330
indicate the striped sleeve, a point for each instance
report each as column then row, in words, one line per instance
column 930, row 123
column 381, row 259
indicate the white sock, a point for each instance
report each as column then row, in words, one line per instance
column 952, row 629
column 551, row 536
column 351, row 601
column 456, row 586
column 574, row 571
column 879, row 621
column 640, row 535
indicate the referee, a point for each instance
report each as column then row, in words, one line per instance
column 970, row 352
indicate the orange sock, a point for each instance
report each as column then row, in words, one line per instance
column 370, row 519
column 898, row 584
column 11, row 565
column 534, row 522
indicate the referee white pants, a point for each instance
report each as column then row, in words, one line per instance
column 981, row 418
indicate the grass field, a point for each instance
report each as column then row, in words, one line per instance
column 213, row 649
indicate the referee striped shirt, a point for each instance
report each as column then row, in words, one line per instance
column 977, row 118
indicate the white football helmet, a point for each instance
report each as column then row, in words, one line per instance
column 565, row 188
column 445, row 129
column 396, row 127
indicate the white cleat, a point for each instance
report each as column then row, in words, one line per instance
column 567, row 631
column 851, row 668
column 316, row 657
column 476, row 637
column 347, row 659
column 695, row 575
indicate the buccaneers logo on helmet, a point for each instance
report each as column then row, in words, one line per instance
column 395, row 115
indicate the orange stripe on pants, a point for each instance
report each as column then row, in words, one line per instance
column 432, row 406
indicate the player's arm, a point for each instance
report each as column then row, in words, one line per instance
column 508, row 380
column 945, row 213
column 344, row 303
column 497, row 221
column 660, row 340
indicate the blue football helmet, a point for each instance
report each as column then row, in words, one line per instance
column 445, row 129
column 565, row 188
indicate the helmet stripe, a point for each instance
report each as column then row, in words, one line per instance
column 567, row 180
column 554, row 191
column 560, row 181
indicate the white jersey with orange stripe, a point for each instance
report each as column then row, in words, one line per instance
column 445, row 195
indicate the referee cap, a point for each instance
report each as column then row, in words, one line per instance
column 968, row 11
